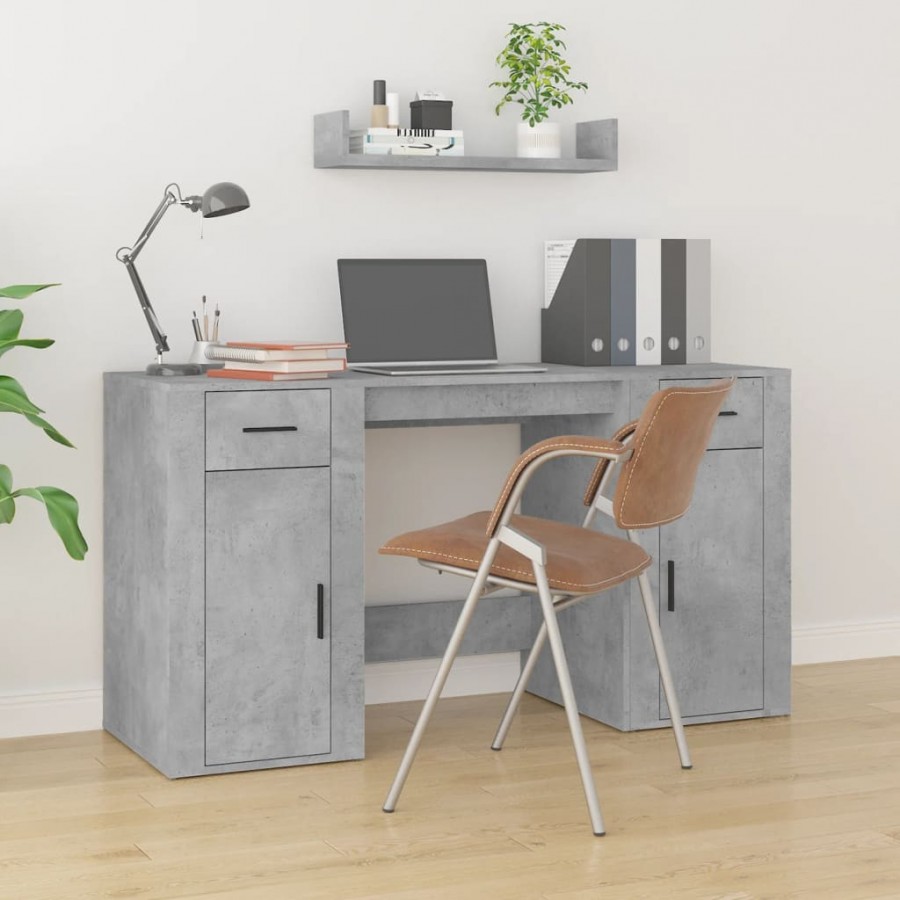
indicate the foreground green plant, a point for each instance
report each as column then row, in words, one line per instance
column 538, row 72
column 62, row 508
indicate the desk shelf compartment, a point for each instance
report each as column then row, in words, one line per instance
column 596, row 150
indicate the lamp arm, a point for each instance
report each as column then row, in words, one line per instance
column 150, row 227
column 162, row 343
column 127, row 256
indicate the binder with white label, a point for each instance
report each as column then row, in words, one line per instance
column 575, row 324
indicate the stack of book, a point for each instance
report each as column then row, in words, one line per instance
column 407, row 141
column 277, row 362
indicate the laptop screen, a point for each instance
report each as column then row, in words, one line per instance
column 416, row 310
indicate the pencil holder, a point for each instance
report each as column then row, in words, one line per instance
column 198, row 355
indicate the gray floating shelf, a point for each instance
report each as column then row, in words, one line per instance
column 596, row 149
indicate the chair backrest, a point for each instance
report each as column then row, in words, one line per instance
column 655, row 486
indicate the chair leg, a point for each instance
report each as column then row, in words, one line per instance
column 568, row 694
column 664, row 672
column 519, row 689
column 440, row 679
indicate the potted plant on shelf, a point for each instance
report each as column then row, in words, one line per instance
column 62, row 508
column 538, row 79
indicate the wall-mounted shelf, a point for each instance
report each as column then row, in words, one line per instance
column 596, row 149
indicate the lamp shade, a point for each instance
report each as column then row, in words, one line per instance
column 222, row 199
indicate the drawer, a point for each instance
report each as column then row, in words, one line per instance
column 740, row 422
column 268, row 429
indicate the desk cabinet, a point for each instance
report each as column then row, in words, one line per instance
column 711, row 599
column 267, row 543
column 230, row 640
column 722, row 581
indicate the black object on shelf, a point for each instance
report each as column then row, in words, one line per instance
column 431, row 114
column 379, row 92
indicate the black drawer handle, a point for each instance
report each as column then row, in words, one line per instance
column 728, row 412
column 671, row 568
column 320, row 619
column 270, row 428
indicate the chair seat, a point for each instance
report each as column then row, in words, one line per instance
column 579, row 561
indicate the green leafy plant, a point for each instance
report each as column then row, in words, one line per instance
column 538, row 73
column 62, row 508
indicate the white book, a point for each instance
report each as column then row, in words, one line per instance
column 648, row 301
column 412, row 148
column 263, row 355
column 299, row 365
column 395, row 142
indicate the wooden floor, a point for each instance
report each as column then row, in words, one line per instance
column 802, row 807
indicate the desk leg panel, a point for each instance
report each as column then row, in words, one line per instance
column 135, row 616
column 777, row 543
column 153, row 572
column 347, row 587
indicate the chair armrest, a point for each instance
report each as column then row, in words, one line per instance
column 625, row 432
column 539, row 453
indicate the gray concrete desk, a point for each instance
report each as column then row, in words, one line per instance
column 235, row 631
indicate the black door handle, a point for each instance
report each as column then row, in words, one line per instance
column 728, row 412
column 320, row 612
column 269, row 428
column 671, row 601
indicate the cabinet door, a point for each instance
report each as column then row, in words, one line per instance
column 268, row 649
column 712, row 621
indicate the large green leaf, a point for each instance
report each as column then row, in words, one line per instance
column 10, row 324
column 14, row 399
column 62, row 510
column 37, row 343
column 7, row 504
column 21, row 291
column 49, row 430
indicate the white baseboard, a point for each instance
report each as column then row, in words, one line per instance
column 490, row 673
column 65, row 711
column 28, row 714
column 834, row 643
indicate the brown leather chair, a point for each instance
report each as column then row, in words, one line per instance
column 656, row 459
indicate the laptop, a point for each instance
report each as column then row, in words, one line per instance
column 420, row 317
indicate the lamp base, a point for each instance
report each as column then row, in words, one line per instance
column 174, row 369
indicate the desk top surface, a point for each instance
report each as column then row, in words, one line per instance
column 354, row 380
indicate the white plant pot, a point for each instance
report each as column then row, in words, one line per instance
column 539, row 141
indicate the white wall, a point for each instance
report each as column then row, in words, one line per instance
column 769, row 127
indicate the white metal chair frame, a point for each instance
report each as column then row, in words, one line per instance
column 551, row 602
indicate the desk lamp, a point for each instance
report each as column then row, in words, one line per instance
column 221, row 199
